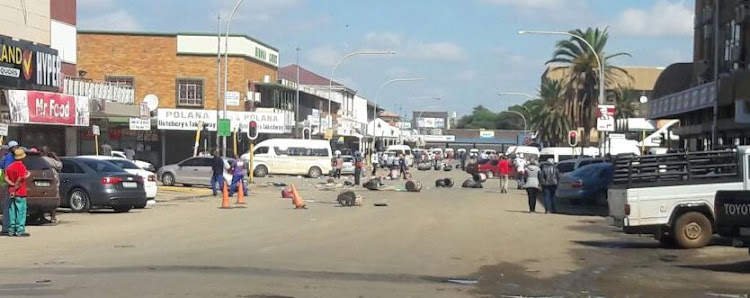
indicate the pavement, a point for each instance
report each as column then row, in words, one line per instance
column 486, row 242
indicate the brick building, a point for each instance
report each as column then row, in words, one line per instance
column 181, row 71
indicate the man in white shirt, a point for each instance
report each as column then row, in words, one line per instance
column 520, row 163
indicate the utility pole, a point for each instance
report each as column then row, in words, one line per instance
column 218, row 71
column 296, row 107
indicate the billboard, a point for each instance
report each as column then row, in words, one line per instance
column 430, row 122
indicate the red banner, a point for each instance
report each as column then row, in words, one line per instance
column 48, row 108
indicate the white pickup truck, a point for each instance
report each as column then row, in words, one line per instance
column 672, row 195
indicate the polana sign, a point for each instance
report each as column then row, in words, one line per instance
column 185, row 119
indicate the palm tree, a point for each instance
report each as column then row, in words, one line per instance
column 551, row 120
column 626, row 103
column 581, row 84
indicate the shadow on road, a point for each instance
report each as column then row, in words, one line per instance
column 582, row 210
column 620, row 244
column 739, row 267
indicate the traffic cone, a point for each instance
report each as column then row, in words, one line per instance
column 297, row 199
column 240, row 193
column 225, row 197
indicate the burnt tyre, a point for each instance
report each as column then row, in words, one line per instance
column 692, row 230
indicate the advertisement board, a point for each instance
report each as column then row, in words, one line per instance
column 37, row 107
column 140, row 124
column 430, row 122
column 605, row 118
column 24, row 65
column 486, row 134
column 186, row 119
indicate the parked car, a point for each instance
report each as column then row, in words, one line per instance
column 567, row 166
column 348, row 167
column 291, row 157
column 192, row 171
column 42, row 186
column 87, row 183
column 140, row 163
column 491, row 167
column 586, row 184
column 149, row 178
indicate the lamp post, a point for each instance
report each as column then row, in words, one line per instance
column 525, row 133
column 336, row 66
column 377, row 94
column 528, row 96
column 226, row 71
column 602, row 84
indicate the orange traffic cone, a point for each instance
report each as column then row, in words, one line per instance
column 297, row 199
column 225, row 197
column 240, row 193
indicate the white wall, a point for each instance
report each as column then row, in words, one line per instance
column 360, row 109
column 238, row 45
column 64, row 40
column 27, row 20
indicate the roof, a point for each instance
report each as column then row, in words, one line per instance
column 306, row 77
column 389, row 114
column 428, row 114
column 107, row 32
column 644, row 78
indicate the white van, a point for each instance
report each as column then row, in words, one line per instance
column 564, row 153
column 292, row 157
column 402, row 149
column 526, row 150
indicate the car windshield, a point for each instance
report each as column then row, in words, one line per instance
column 566, row 167
column 124, row 164
column 35, row 162
column 101, row 166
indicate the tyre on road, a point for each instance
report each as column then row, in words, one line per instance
column 167, row 179
column 489, row 175
column 413, row 186
column 440, row 183
column 692, row 230
column 448, row 182
column 78, row 200
column 261, row 171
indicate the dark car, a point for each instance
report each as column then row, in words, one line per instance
column 586, row 184
column 571, row 165
column 42, row 186
column 89, row 184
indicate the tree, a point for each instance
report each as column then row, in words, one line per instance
column 626, row 103
column 550, row 119
column 582, row 83
column 483, row 118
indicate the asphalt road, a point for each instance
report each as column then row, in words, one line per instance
column 186, row 246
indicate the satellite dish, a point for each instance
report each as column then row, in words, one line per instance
column 152, row 102
column 644, row 99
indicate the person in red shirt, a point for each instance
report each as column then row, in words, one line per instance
column 504, row 167
column 15, row 176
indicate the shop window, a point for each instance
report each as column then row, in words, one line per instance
column 125, row 81
column 190, row 92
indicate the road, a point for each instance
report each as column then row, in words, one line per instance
column 185, row 246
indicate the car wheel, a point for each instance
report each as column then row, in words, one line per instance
column 79, row 201
column 122, row 209
column 167, row 179
column 314, row 172
column 490, row 174
column 692, row 230
column 261, row 171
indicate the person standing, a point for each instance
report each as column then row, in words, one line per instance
column 532, row 173
column 54, row 162
column 15, row 177
column 520, row 164
column 375, row 160
column 402, row 165
column 338, row 165
column 238, row 173
column 4, row 197
column 217, row 172
column 504, row 169
column 359, row 164
column 106, row 149
column 550, row 178
column 462, row 156
column 129, row 153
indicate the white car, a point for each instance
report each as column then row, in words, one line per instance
column 141, row 164
column 149, row 178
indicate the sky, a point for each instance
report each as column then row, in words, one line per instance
column 467, row 51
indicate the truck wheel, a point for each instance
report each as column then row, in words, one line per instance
column 692, row 230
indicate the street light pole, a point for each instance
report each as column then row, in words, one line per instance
column 602, row 83
column 522, row 117
column 226, row 73
column 528, row 96
column 377, row 94
column 336, row 66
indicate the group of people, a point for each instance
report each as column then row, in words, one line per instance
column 541, row 179
column 238, row 169
column 13, row 190
column 337, row 163
column 391, row 162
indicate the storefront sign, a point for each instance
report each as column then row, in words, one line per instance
column 441, row 138
column 267, row 122
column 140, row 124
column 3, row 129
column 95, row 130
column 233, row 98
column 185, row 119
column 486, row 134
column 24, row 65
column 99, row 90
column 431, row 122
column 605, row 118
column 38, row 107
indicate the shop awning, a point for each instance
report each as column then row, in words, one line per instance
column 701, row 97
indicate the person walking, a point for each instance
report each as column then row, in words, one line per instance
column 402, row 165
column 106, row 149
column 4, row 197
column 218, row 166
column 338, row 165
column 550, row 178
column 238, row 173
column 359, row 165
column 462, row 156
column 532, row 185
column 504, row 169
column 520, row 164
column 15, row 177
column 54, row 162
column 375, row 160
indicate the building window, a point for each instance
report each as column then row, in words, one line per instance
column 190, row 92
column 125, row 81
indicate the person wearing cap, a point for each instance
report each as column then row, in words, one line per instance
column 4, row 198
column 15, row 176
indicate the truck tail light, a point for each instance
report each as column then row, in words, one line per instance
column 627, row 209
column 577, row 184
column 111, row 180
